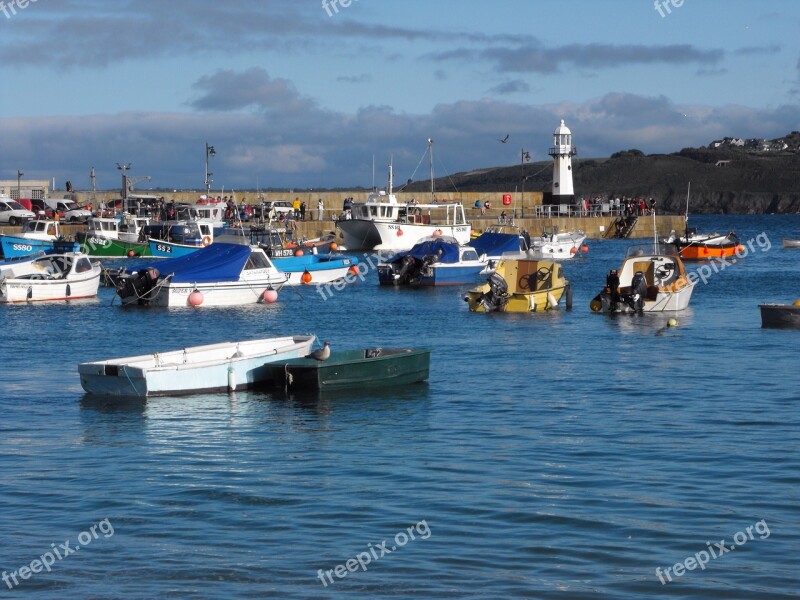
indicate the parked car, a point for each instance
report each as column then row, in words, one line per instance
column 13, row 213
column 68, row 210
column 280, row 206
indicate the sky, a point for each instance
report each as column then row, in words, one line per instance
column 307, row 93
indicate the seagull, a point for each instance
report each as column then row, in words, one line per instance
column 505, row 139
column 322, row 354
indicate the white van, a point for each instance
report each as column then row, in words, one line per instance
column 68, row 210
column 12, row 212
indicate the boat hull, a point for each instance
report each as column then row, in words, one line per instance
column 17, row 247
column 209, row 368
column 436, row 275
column 353, row 369
column 232, row 293
column 164, row 249
column 316, row 268
column 780, row 316
column 707, row 251
column 98, row 247
column 36, row 289
column 509, row 288
column 360, row 234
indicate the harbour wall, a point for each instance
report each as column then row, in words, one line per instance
column 594, row 227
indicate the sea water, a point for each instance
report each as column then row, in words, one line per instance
column 556, row 455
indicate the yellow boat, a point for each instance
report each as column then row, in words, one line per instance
column 522, row 286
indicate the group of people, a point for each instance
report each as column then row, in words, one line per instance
column 627, row 207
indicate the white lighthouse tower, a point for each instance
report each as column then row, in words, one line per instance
column 562, row 153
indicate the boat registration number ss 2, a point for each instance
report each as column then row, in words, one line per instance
column 165, row 249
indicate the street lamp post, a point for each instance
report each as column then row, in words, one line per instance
column 123, row 168
column 19, row 177
column 209, row 152
column 524, row 157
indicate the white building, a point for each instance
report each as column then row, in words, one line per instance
column 32, row 189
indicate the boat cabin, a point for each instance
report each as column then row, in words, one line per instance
column 41, row 230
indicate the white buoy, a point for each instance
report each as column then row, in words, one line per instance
column 231, row 379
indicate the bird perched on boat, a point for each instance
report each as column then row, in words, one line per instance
column 505, row 139
column 322, row 354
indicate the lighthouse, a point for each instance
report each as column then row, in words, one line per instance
column 562, row 153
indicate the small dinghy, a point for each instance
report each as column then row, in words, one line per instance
column 53, row 277
column 349, row 369
column 521, row 286
column 780, row 316
column 217, row 367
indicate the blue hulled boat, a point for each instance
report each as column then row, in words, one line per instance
column 433, row 261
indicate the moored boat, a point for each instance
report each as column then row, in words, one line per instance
column 112, row 237
column 780, row 316
column 219, row 275
column 216, row 367
column 432, row 262
column 652, row 278
column 522, row 285
column 39, row 235
column 315, row 268
column 68, row 276
column 557, row 245
column 353, row 369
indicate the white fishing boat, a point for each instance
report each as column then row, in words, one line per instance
column 216, row 367
column 218, row 275
column 555, row 245
column 383, row 223
column 66, row 276
column 652, row 278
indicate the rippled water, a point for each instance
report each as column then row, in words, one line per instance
column 559, row 455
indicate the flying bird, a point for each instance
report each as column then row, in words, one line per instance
column 505, row 139
column 322, row 354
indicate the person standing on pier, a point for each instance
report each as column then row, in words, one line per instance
column 320, row 209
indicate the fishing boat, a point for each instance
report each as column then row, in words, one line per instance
column 521, row 286
column 219, row 275
column 703, row 246
column 353, row 369
column 557, row 245
column 780, row 316
column 791, row 243
column 383, row 223
column 652, row 278
column 433, row 261
column 66, row 276
column 310, row 269
column 36, row 235
column 226, row 366
column 181, row 239
column 115, row 237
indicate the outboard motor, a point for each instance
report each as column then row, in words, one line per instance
column 497, row 296
column 638, row 291
column 406, row 269
column 138, row 285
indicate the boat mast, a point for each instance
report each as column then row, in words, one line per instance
column 430, row 154
column 391, row 181
column 686, row 214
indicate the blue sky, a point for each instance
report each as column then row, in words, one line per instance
column 292, row 97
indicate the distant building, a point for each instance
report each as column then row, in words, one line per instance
column 32, row 189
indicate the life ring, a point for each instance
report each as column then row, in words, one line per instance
column 206, row 240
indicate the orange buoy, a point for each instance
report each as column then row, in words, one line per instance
column 573, row 250
column 298, row 253
column 584, row 248
column 196, row 298
column 354, row 271
column 334, row 247
column 270, row 296
column 437, row 232
column 399, row 232
column 306, row 277
column 308, row 244
column 206, row 240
